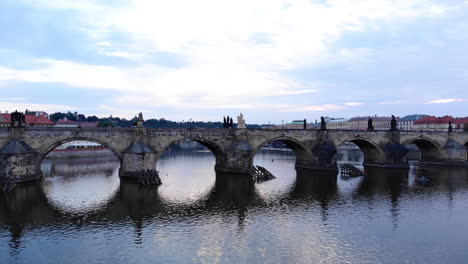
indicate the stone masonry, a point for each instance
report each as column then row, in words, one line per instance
column 139, row 148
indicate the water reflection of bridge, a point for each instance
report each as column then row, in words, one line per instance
column 28, row 208
column 104, row 165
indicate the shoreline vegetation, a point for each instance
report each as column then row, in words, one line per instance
column 151, row 123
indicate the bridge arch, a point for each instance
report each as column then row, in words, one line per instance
column 430, row 150
column 302, row 152
column 212, row 146
column 43, row 152
column 373, row 153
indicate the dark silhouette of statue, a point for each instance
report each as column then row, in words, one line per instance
column 393, row 124
column 228, row 122
column 17, row 119
column 370, row 127
column 450, row 127
column 305, row 124
column 323, row 125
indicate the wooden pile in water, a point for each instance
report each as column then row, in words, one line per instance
column 349, row 170
column 149, row 177
column 260, row 174
column 7, row 182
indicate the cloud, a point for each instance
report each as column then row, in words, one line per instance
column 353, row 103
column 14, row 99
column 298, row 32
column 126, row 55
column 82, row 5
column 237, row 54
column 50, row 108
column 445, row 101
column 104, row 110
column 313, row 108
column 166, row 86
column 396, row 102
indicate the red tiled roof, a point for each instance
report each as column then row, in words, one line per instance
column 441, row 120
column 38, row 120
column 65, row 121
column 5, row 118
column 30, row 119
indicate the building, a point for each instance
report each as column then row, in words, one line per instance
column 432, row 123
column 36, row 120
column 36, row 113
column 406, row 123
column 327, row 120
column 338, row 123
column 296, row 124
column 378, row 122
column 65, row 122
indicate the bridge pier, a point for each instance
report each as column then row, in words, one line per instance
column 19, row 161
column 457, row 154
column 324, row 160
column 392, row 156
column 137, row 159
column 238, row 159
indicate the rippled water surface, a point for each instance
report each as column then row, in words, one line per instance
column 81, row 212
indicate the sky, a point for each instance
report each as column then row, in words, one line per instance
column 273, row 60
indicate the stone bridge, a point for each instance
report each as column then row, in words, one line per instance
column 24, row 148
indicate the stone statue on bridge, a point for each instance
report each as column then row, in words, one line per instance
column 140, row 120
column 305, row 124
column 370, row 126
column 450, row 127
column 241, row 122
column 393, row 124
column 323, row 124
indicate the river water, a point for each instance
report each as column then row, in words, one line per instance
column 81, row 212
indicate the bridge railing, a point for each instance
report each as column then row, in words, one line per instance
column 129, row 129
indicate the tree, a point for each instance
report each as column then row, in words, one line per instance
column 56, row 116
column 465, row 127
column 105, row 123
column 70, row 116
column 81, row 118
column 92, row 119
